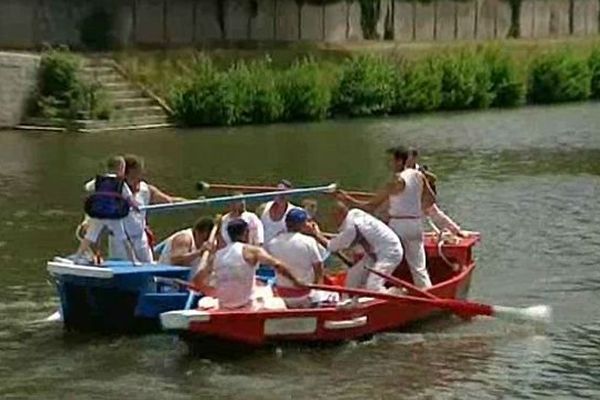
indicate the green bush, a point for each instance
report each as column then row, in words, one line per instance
column 594, row 65
column 366, row 87
column 258, row 93
column 507, row 83
column 305, row 92
column 63, row 94
column 465, row 82
column 418, row 87
column 559, row 77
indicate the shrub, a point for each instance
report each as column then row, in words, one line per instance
column 62, row 92
column 594, row 66
column 507, row 83
column 259, row 96
column 559, row 77
column 418, row 87
column 366, row 87
column 465, row 82
column 305, row 92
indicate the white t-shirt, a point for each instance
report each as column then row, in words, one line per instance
column 300, row 252
column 383, row 243
column 257, row 234
column 273, row 228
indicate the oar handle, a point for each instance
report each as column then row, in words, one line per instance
column 201, row 186
column 229, row 199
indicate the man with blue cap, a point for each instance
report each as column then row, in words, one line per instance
column 301, row 253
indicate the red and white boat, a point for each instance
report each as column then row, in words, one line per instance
column 450, row 272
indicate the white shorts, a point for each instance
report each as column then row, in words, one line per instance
column 410, row 232
column 114, row 226
column 140, row 245
column 359, row 277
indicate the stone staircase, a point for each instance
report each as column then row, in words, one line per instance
column 134, row 107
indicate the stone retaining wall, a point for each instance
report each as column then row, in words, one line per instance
column 18, row 77
column 172, row 23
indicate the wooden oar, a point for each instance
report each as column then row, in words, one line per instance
column 539, row 314
column 229, row 199
column 202, row 186
column 402, row 284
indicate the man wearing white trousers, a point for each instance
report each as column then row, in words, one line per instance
column 407, row 194
column 383, row 250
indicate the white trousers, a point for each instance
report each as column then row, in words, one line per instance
column 359, row 277
column 140, row 245
column 410, row 232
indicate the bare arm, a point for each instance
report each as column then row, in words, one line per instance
column 427, row 196
column 392, row 187
column 319, row 271
column 201, row 278
column 158, row 196
column 181, row 253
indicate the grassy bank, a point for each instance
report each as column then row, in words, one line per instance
column 231, row 87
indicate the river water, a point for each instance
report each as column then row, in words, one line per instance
column 528, row 179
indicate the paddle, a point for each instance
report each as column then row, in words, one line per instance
column 400, row 283
column 539, row 314
column 202, row 186
column 229, row 199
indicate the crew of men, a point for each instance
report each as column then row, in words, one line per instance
column 283, row 235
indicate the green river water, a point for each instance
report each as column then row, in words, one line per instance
column 527, row 179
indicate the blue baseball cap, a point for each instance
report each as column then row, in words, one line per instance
column 296, row 216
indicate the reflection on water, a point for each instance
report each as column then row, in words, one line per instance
column 528, row 179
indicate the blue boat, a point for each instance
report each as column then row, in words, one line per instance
column 117, row 296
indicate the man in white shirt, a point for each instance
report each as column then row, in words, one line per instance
column 382, row 247
column 301, row 253
column 238, row 210
column 273, row 216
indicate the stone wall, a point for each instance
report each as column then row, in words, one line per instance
column 28, row 24
column 18, row 78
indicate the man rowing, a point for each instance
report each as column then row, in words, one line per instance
column 135, row 223
column 382, row 248
column 273, row 216
column 301, row 253
column 408, row 193
column 235, row 267
column 237, row 210
column 185, row 247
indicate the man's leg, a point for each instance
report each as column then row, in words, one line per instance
column 414, row 251
column 377, row 283
column 357, row 274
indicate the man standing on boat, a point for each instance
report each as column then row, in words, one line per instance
column 438, row 217
column 135, row 223
column 235, row 267
column 407, row 194
column 238, row 210
column 185, row 247
column 301, row 252
column 273, row 216
column 383, row 250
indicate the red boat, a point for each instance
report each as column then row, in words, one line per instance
column 450, row 272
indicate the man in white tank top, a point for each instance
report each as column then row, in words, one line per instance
column 383, row 250
column 238, row 210
column 301, row 253
column 273, row 216
column 235, row 266
column 184, row 248
column 135, row 223
column 408, row 194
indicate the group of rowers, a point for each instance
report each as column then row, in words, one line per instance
column 280, row 234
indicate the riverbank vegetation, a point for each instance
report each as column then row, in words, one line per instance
column 204, row 90
column 64, row 94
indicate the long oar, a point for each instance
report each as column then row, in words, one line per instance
column 202, row 186
column 229, row 199
column 539, row 314
column 403, row 284
column 202, row 264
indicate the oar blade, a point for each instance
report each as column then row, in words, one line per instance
column 541, row 314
